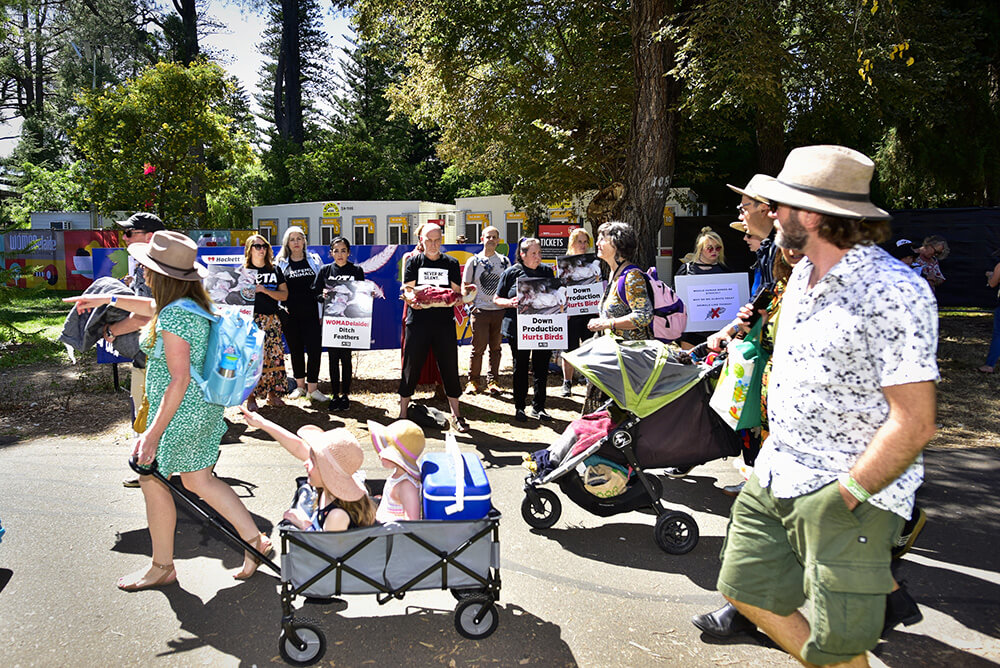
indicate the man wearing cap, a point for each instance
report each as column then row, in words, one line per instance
column 753, row 213
column 851, row 405
column 138, row 228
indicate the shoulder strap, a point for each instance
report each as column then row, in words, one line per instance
column 621, row 281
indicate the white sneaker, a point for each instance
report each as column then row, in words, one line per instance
column 297, row 393
column 316, row 395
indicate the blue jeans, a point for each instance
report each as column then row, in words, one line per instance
column 994, row 354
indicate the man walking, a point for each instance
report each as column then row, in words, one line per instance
column 483, row 272
column 851, row 405
column 757, row 222
column 431, row 328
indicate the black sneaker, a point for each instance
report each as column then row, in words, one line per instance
column 908, row 535
column 542, row 415
column 567, row 388
column 520, row 416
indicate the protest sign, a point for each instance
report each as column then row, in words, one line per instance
column 581, row 274
column 541, row 317
column 712, row 300
column 233, row 286
column 347, row 314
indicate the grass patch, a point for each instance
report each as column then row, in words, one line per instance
column 36, row 320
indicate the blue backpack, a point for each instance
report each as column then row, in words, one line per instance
column 234, row 359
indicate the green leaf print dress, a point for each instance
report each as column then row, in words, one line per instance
column 191, row 440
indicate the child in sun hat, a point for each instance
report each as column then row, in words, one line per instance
column 331, row 458
column 399, row 446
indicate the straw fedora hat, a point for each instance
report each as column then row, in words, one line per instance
column 401, row 443
column 752, row 188
column 739, row 226
column 171, row 254
column 832, row 180
column 338, row 456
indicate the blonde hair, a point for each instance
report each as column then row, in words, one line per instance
column 166, row 289
column 285, row 250
column 581, row 232
column 707, row 234
column 268, row 256
column 361, row 512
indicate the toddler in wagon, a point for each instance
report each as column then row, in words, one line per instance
column 399, row 446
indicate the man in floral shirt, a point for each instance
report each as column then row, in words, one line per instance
column 851, row 405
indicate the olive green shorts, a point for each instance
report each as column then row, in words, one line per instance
column 778, row 552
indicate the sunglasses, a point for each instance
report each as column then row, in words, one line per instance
column 258, row 246
column 130, row 232
column 713, row 248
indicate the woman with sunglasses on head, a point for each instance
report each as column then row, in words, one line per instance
column 708, row 258
column 271, row 289
column 184, row 430
column 300, row 323
column 341, row 269
column 934, row 248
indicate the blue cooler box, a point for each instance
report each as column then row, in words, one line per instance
column 442, row 496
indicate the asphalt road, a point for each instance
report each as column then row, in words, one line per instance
column 589, row 591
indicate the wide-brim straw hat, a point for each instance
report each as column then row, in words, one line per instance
column 171, row 254
column 739, row 226
column 752, row 188
column 401, row 443
column 338, row 456
column 833, row 180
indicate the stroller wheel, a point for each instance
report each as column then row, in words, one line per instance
column 676, row 532
column 312, row 652
column 544, row 512
column 472, row 608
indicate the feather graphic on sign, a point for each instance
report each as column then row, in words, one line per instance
column 378, row 260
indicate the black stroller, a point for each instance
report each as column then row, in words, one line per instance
column 661, row 418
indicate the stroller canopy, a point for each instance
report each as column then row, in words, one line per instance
column 638, row 375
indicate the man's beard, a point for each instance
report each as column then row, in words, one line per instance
column 791, row 235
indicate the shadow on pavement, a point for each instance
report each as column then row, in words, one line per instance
column 243, row 621
column 910, row 649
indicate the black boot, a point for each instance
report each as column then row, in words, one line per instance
column 900, row 608
column 724, row 623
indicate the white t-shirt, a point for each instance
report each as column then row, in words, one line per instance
column 484, row 272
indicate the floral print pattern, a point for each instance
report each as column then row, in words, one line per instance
column 637, row 304
column 274, row 377
column 869, row 323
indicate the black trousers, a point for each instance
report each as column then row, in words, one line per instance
column 304, row 335
column 341, row 371
column 418, row 341
column 539, row 360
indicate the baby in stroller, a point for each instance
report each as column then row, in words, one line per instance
column 331, row 458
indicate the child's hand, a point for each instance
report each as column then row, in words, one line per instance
column 253, row 419
column 297, row 518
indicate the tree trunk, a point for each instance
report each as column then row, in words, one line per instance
column 770, row 128
column 652, row 141
column 189, row 20
column 293, row 63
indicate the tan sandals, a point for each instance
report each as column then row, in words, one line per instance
column 263, row 545
column 167, row 577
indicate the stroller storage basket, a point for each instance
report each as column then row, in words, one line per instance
column 389, row 560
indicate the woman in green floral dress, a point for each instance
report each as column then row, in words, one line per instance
column 184, row 431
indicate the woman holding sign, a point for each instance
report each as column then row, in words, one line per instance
column 580, row 243
column 528, row 265
column 341, row 269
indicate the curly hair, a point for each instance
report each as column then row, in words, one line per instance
column 849, row 232
column 623, row 237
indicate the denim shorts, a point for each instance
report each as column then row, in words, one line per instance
column 779, row 552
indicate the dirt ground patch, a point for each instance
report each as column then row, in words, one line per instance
column 70, row 400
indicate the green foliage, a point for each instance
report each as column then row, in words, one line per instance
column 168, row 118
column 42, row 189
column 9, row 295
column 539, row 92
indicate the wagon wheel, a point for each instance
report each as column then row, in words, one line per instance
column 676, row 532
column 547, row 512
column 468, row 610
column 311, row 636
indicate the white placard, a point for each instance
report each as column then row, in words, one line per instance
column 712, row 300
column 232, row 286
column 432, row 276
column 347, row 314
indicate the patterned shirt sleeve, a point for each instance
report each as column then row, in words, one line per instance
column 902, row 334
column 638, row 299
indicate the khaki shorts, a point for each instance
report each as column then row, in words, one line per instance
column 778, row 552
